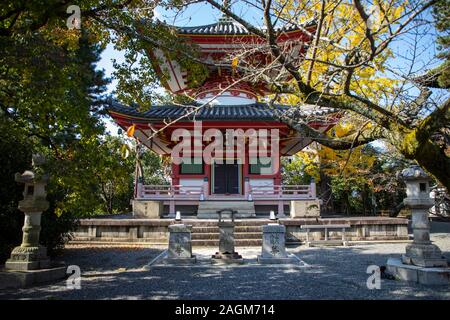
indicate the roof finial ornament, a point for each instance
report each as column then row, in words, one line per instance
column 225, row 18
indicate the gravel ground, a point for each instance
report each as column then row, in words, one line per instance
column 333, row 273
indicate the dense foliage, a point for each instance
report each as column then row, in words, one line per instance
column 362, row 181
column 51, row 102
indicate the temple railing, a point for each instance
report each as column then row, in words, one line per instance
column 162, row 192
column 289, row 192
column 263, row 192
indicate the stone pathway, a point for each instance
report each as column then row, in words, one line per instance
column 328, row 273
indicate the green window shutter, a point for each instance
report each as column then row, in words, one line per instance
column 262, row 162
column 191, row 168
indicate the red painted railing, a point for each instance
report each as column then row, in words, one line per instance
column 269, row 192
column 168, row 192
column 282, row 191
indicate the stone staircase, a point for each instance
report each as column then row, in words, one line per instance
column 208, row 209
column 246, row 233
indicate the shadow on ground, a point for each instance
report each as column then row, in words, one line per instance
column 334, row 273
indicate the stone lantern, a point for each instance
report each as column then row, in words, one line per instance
column 421, row 252
column 423, row 261
column 30, row 255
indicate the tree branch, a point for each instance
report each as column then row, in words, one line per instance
column 436, row 120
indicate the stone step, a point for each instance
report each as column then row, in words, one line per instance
column 118, row 241
column 238, row 243
column 324, row 243
column 248, row 229
column 214, row 208
column 237, row 223
column 226, row 204
column 208, row 209
column 215, row 236
column 236, row 229
column 242, row 214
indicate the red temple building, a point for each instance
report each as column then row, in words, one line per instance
column 241, row 179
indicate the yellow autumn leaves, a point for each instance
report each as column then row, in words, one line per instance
column 343, row 31
column 334, row 163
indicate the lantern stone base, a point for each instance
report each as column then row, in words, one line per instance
column 227, row 258
column 424, row 255
column 28, row 258
column 426, row 276
column 10, row 279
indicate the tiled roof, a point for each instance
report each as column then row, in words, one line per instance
column 227, row 26
column 255, row 111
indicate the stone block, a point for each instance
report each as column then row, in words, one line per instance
column 226, row 237
column 274, row 245
column 227, row 253
column 133, row 232
column 305, row 208
column 227, row 258
column 424, row 255
column 28, row 258
column 20, row 279
column 180, row 244
column 422, row 275
column 147, row 209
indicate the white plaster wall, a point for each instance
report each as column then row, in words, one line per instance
column 186, row 182
column 228, row 99
column 261, row 182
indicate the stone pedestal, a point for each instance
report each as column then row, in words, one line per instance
column 21, row 279
column 227, row 253
column 29, row 255
column 28, row 258
column 180, row 245
column 412, row 273
column 422, row 252
column 146, row 209
column 274, row 245
column 305, row 208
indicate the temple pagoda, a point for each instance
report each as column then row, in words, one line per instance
column 241, row 180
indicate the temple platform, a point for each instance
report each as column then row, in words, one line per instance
column 248, row 232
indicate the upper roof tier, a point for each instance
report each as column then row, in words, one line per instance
column 227, row 27
column 222, row 27
column 218, row 44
